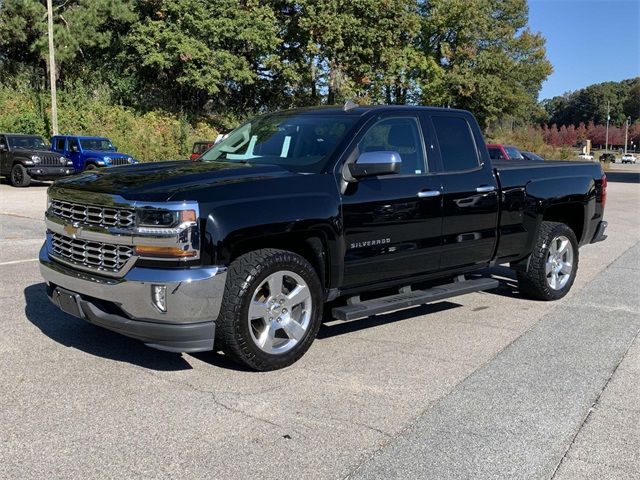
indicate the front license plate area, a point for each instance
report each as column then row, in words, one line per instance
column 68, row 302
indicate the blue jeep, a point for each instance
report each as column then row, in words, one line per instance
column 89, row 152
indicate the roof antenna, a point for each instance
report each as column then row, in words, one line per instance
column 349, row 105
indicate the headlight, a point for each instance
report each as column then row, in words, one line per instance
column 35, row 159
column 63, row 161
column 159, row 223
column 130, row 160
column 158, row 220
column 107, row 160
column 148, row 217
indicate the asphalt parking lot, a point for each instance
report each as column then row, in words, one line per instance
column 488, row 385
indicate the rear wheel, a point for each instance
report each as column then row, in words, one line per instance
column 553, row 264
column 272, row 309
column 19, row 176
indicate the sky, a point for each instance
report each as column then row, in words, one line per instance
column 588, row 41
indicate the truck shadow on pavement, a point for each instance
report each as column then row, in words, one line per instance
column 75, row 333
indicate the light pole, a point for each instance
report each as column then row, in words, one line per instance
column 606, row 144
column 626, row 134
column 52, row 71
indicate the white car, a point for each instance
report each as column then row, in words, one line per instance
column 586, row 156
column 628, row 158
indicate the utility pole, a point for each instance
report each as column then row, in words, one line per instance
column 606, row 145
column 626, row 135
column 52, row 71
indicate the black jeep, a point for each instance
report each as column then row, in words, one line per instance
column 26, row 157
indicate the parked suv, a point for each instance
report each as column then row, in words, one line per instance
column 89, row 152
column 628, row 158
column 26, row 157
column 200, row 147
column 608, row 157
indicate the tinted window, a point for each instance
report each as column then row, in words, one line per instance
column 29, row 142
column 59, row 143
column 457, row 147
column 73, row 143
column 401, row 135
column 495, row 154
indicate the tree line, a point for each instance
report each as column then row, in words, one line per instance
column 227, row 59
column 591, row 104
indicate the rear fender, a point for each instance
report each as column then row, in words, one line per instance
column 542, row 195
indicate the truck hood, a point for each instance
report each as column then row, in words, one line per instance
column 162, row 181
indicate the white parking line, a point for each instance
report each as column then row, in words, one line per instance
column 13, row 262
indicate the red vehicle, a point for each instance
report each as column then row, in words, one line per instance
column 504, row 152
column 200, row 147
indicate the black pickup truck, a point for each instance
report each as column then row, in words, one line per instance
column 362, row 210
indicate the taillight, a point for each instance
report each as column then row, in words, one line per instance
column 603, row 190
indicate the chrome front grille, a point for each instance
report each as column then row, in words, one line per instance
column 93, row 215
column 119, row 161
column 95, row 255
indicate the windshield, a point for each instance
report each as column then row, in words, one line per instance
column 301, row 143
column 96, row 144
column 31, row 142
column 514, row 153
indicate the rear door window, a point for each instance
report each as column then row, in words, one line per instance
column 457, row 145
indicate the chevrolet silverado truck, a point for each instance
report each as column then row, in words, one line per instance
column 27, row 157
column 357, row 210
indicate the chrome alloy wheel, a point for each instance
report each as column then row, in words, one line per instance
column 559, row 264
column 280, row 312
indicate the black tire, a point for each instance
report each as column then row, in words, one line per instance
column 19, row 176
column 532, row 279
column 244, row 276
column 90, row 166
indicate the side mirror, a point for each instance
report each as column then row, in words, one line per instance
column 3, row 147
column 371, row 164
column 114, row 148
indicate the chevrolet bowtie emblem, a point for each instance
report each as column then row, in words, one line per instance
column 72, row 230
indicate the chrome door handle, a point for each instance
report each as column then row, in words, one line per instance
column 485, row 188
column 429, row 193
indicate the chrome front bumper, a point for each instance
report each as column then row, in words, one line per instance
column 194, row 296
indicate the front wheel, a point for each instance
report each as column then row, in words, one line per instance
column 553, row 264
column 19, row 176
column 272, row 309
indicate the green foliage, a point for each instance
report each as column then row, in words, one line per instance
column 148, row 136
column 220, row 61
column 491, row 63
column 590, row 104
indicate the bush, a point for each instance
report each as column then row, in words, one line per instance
column 146, row 136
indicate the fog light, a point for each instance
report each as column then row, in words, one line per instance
column 159, row 297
